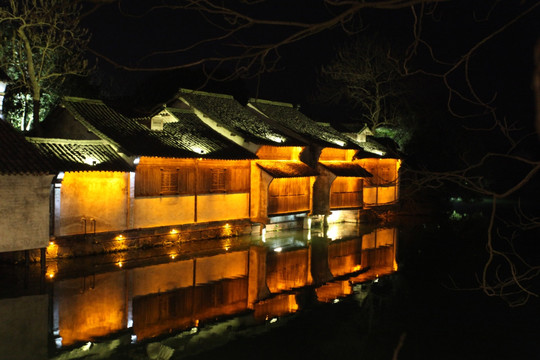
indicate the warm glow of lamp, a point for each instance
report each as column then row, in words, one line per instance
column 174, row 231
column 120, row 237
column 90, row 160
column 173, row 256
column 119, row 264
column 198, row 150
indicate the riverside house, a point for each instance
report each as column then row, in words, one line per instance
column 201, row 166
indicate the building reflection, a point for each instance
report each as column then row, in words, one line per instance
column 184, row 292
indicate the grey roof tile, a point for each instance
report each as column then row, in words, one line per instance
column 346, row 169
column 136, row 138
column 199, row 137
column 18, row 156
column 81, row 155
column 237, row 118
column 286, row 169
column 288, row 116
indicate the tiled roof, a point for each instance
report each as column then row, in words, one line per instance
column 346, row 169
column 230, row 114
column 287, row 169
column 130, row 134
column 199, row 137
column 18, row 156
column 286, row 115
column 363, row 154
column 81, row 155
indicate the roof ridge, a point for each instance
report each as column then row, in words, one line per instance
column 81, row 99
column 65, row 141
column 270, row 102
column 199, row 92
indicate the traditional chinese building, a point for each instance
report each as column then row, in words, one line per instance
column 139, row 180
column 339, row 185
column 281, row 183
column 25, row 186
column 202, row 166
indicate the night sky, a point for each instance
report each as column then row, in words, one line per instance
column 124, row 35
column 500, row 69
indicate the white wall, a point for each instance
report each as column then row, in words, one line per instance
column 24, row 211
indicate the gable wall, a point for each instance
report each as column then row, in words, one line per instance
column 24, row 211
column 65, row 126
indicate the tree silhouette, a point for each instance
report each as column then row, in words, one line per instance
column 41, row 44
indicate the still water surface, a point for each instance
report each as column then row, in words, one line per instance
column 187, row 296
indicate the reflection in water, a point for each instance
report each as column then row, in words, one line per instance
column 264, row 278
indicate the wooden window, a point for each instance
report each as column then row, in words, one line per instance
column 169, row 181
column 219, row 182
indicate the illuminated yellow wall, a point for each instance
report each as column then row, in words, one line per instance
column 218, row 207
column 387, row 194
column 223, row 266
column 279, row 305
column 383, row 187
column 344, row 257
column 93, row 195
column 91, row 307
column 329, row 154
column 162, row 278
column 25, row 198
column 268, row 152
column 370, row 195
column 260, row 183
column 379, row 237
column 163, row 210
column 287, row 270
column 333, row 290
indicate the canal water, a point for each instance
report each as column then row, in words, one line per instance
column 350, row 291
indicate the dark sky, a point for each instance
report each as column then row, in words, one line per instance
column 504, row 64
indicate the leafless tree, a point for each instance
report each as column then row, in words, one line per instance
column 505, row 273
column 259, row 51
column 41, row 44
column 363, row 75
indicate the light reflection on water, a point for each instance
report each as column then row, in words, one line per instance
column 92, row 303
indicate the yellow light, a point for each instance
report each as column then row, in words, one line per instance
column 120, row 237
column 90, row 160
column 50, row 275
column 119, row 264
column 174, row 231
column 173, row 256
column 51, row 243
